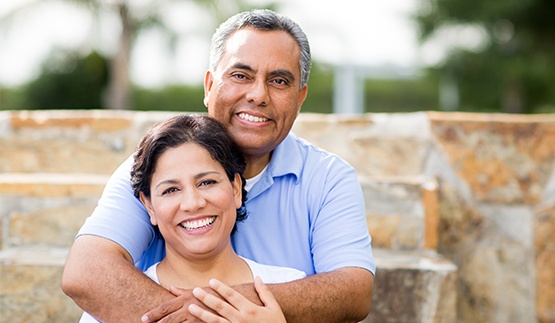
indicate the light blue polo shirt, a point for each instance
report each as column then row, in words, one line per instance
column 306, row 212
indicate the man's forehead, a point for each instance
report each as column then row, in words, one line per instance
column 247, row 48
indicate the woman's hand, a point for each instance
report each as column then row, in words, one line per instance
column 235, row 307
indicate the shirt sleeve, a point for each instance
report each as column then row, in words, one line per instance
column 120, row 216
column 340, row 236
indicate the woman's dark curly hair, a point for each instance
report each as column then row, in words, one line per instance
column 200, row 129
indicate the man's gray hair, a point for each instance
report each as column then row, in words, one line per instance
column 264, row 20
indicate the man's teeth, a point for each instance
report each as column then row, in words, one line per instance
column 252, row 118
column 197, row 224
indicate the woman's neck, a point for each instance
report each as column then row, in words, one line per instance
column 227, row 266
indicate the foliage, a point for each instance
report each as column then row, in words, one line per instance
column 170, row 98
column 79, row 82
column 512, row 70
column 68, row 82
column 320, row 90
column 400, row 95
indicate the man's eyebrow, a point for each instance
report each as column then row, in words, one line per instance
column 242, row 66
column 285, row 73
column 282, row 72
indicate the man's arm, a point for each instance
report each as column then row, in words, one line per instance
column 100, row 277
column 343, row 295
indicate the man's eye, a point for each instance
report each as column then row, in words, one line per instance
column 280, row 81
column 239, row 76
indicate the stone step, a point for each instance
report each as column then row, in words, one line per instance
column 30, row 289
column 87, row 141
column 417, row 286
column 45, row 209
column 49, row 209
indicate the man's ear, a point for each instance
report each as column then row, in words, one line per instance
column 149, row 208
column 208, row 82
column 302, row 96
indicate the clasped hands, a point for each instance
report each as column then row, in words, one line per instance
column 217, row 303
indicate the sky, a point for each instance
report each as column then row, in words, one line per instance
column 363, row 32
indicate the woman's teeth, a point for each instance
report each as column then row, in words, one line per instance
column 197, row 224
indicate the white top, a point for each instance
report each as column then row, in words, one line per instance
column 268, row 274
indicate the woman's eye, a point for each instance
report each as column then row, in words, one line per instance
column 169, row 190
column 207, row 182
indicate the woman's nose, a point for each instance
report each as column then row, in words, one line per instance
column 192, row 201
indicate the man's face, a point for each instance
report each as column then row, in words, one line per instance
column 254, row 90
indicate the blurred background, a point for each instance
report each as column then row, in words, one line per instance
column 368, row 55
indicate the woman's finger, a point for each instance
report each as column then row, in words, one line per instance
column 229, row 294
column 218, row 305
column 264, row 293
column 204, row 315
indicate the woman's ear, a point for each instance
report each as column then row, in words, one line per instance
column 149, row 208
column 238, row 190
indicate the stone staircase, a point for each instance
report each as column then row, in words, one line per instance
column 54, row 165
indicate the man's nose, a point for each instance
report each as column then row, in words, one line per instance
column 259, row 93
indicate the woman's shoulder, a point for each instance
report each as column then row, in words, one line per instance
column 274, row 274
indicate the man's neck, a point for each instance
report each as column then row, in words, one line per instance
column 255, row 164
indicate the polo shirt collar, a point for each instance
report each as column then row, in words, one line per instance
column 286, row 160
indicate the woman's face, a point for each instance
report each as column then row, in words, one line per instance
column 193, row 202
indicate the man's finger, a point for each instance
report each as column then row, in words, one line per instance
column 175, row 310
column 176, row 291
column 161, row 311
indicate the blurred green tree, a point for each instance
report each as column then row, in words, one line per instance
column 501, row 52
column 133, row 17
column 68, row 81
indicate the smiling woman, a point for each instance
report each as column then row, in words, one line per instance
column 188, row 173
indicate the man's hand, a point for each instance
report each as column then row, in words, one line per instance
column 234, row 307
column 175, row 310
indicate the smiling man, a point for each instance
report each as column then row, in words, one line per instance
column 306, row 205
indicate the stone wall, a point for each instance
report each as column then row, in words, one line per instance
column 455, row 201
column 496, row 198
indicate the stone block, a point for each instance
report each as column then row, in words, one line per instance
column 375, row 144
column 401, row 212
column 544, row 228
column 62, row 142
column 419, row 287
column 30, row 289
column 502, row 158
column 492, row 246
column 46, row 209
